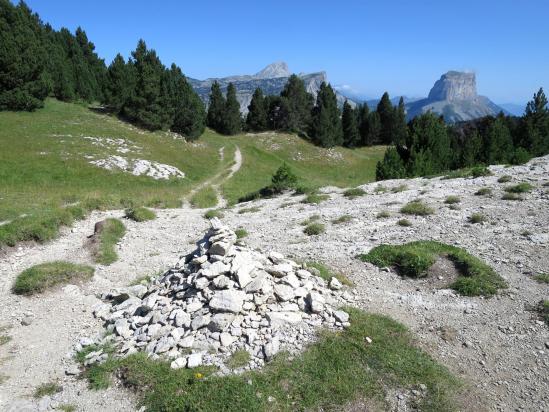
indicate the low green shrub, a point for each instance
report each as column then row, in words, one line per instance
column 313, row 229
column 355, row 192
column 450, row 200
column 519, row 188
column 140, row 214
column 40, row 277
column 418, row 208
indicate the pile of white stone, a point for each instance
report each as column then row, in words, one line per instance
column 220, row 299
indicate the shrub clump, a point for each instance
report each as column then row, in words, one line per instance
column 140, row 214
column 477, row 218
column 342, row 219
column 241, row 233
column 313, row 229
column 404, row 222
column 210, row 214
column 327, row 274
column 49, row 389
column 542, row 278
column 283, row 179
column 383, row 214
column 418, row 208
column 504, row 179
column 511, row 196
column 415, row 258
column 483, row 191
column 315, row 198
column 450, row 200
column 38, row 278
column 519, row 188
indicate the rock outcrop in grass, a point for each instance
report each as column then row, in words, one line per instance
column 415, row 258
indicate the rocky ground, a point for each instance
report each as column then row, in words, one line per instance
column 499, row 345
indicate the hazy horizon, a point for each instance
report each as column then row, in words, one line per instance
column 401, row 48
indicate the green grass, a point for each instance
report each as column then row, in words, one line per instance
column 315, row 167
column 315, row 198
column 340, row 368
column 111, row 234
column 380, row 189
column 241, row 233
column 140, row 214
column 310, row 219
column 4, row 338
column 327, row 274
column 505, row 179
column 404, row 222
column 519, row 188
column 67, row 407
column 342, row 219
column 511, row 196
column 204, row 198
column 238, row 359
column 542, row 277
column 210, row 214
column 38, row 278
column 384, row 214
column 477, row 218
column 483, row 191
column 476, row 171
column 450, row 200
column 415, row 258
column 418, row 208
column 313, row 229
column 50, row 388
column 45, row 168
column 355, row 192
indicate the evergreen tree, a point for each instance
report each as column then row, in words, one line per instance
column 147, row 105
column 363, row 114
column 232, row 122
column 277, row 112
column 23, row 85
column 536, row 125
column 119, row 84
column 299, row 104
column 349, row 121
column 386, row 113
column 256, row 120
column 400, row 129
column 471, row 153
column 189, row 115
column 498, row 143
column 216, row 108
column 392, row 166
column 326, row 126
column 373, row 135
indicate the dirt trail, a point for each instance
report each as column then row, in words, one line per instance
column 216, row 181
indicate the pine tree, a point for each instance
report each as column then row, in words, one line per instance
column 189, row 115
column 119, row 84
column 391, row 167
column 498, row 143
column 277, row 112
column 536, row 125
column 400, row 129
column 216, row 108
column 349, row 121
column 256, row 120
column 326, row 126
column 373, row 135
column 471, row 153
column 232, row 122
column 386, row 113
column 363, row 114
column 23, row 85
column 299, row 104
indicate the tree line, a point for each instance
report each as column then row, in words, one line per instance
column 429, row 146
column 37, row 61
column 296, row 111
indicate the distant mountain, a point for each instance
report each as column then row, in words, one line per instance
column 455, row 97
column 513, row 108
column 271, row 80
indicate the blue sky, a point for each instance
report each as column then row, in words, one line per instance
column 371, row 46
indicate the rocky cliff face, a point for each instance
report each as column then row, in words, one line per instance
column 455, row 97
column 271, row 80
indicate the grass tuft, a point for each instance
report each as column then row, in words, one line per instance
column 543, row 309
column 511, row 196
column 311, row 219
column 418, row 208
column 505, row 179
column 483, row 191
column 477, row 218
column 313, row 229
column 140, row 214
column 399, row 188
column 519, row 188
column 37, row 279
column 327, row 274
column 249, row 210
column 241, row 233
column 404, row 222
column 342, row 219
column 384, row 214
column 50, row 388
column 315, row 198
column 210, row 214
column 542, row 278
column 108, row 237
column 415, row 258
column 355, row 192
column 450, row 200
